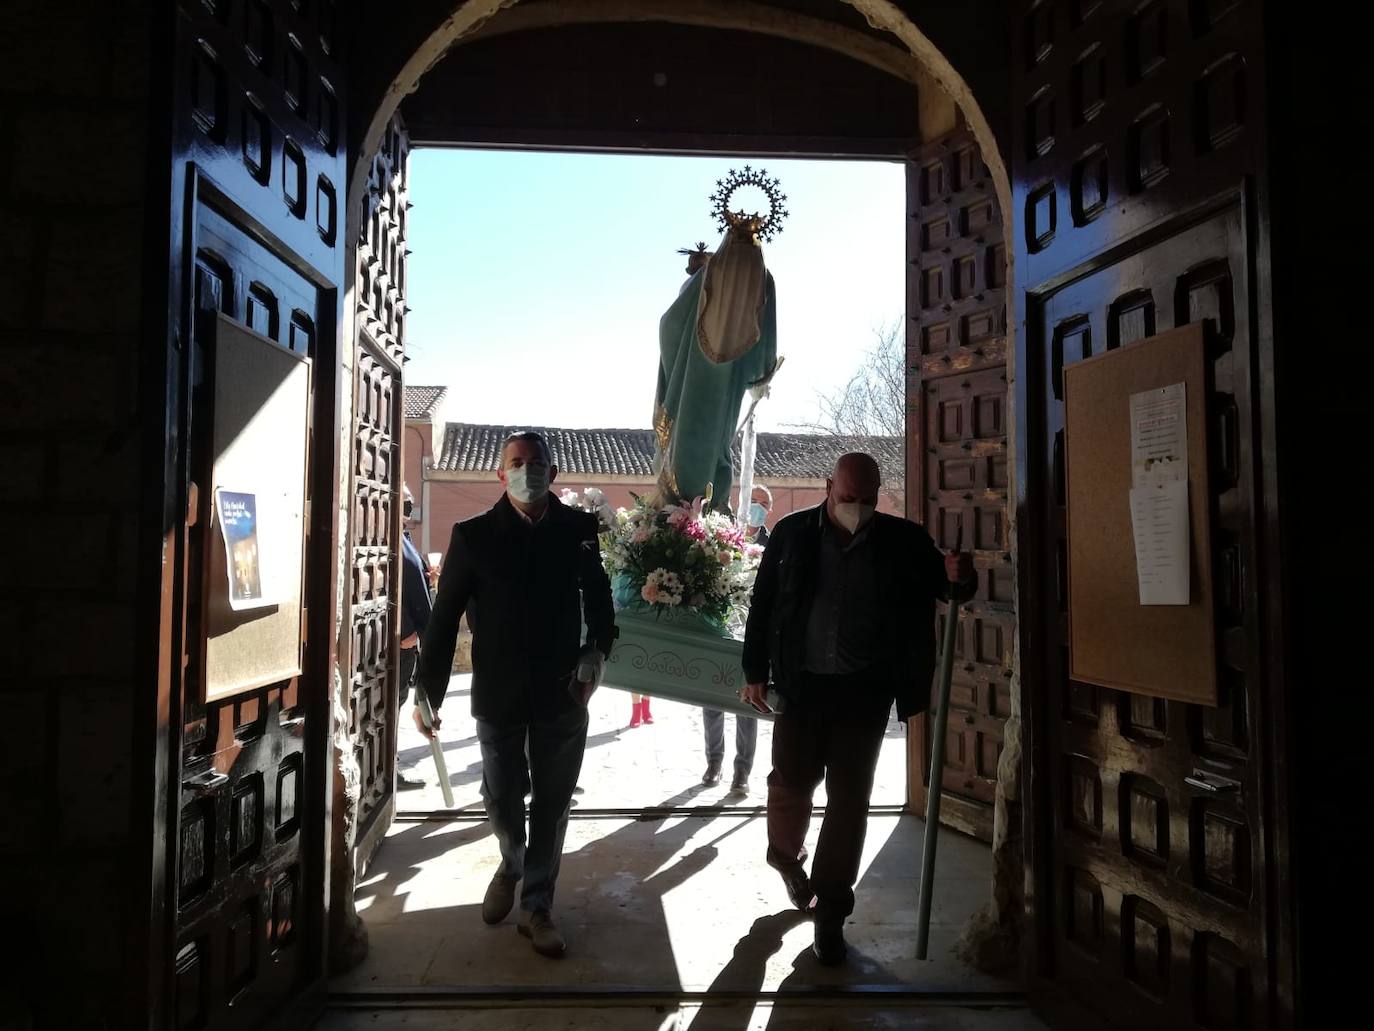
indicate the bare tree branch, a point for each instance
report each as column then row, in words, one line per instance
column 871, row 405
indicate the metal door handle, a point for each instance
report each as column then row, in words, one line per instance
column 205, row 781
column 1211, row 783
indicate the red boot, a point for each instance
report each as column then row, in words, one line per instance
column 648, row 716
column 636, row 714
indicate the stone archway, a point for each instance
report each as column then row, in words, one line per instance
column 436, row 28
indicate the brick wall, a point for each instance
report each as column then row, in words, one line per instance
column 451, row 501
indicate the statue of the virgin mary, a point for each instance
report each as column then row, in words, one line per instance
column 717, row 340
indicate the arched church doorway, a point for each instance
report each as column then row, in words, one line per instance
column 363, row 645
column 1153, row 862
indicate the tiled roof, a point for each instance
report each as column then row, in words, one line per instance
column 472, row 447
column 421, row 401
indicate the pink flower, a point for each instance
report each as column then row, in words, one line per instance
column 641, row 535
column 693, row 529
column 650, row 593
column 725, row 558
column 730, row 534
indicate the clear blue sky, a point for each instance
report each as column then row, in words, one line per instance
column 536, row 281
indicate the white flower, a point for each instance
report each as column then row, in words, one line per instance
column 662, row 587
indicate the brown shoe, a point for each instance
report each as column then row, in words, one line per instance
column 499, row 899
column 543, row 933
column 712, row 775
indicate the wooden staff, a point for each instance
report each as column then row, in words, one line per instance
column 937, row 765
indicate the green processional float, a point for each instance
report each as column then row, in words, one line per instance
column 681, row 563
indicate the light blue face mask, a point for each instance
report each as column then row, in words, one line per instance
column 758, row 515
column 528, row 483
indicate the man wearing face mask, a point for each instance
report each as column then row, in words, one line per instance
column 528, row 574
column 842, row 620
column 760, row 506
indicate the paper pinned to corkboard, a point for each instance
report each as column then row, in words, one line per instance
column 1165, row 650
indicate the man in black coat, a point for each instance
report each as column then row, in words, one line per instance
column 843, row 621
column 528, row 574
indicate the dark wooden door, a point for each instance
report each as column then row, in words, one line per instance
column 375, row 524
column 957, row 452
column 1137, row 153
column 257, row 174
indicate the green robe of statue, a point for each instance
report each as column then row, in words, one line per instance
column 697, row 404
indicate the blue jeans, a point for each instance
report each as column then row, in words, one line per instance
column 746, row 737
column 548, row 770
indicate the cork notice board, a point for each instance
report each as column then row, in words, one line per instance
column 1168, row 651
column 259, row 436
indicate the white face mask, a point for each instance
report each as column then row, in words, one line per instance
column 758, row 515
column 852, row 515
column 528, row 483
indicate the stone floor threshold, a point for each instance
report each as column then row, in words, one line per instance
column 601, row 996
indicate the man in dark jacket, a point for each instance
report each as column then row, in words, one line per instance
column 528, row 573
column 416, row 605
column 842, row 618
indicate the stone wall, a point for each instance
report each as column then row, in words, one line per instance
column 74, row 104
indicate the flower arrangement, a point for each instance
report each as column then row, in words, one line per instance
column 593, row 500
column 677, row 558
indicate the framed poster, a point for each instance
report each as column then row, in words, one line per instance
column 255, row 556
column 237, row 514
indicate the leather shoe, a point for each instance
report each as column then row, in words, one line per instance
column 740, row 784
column 798, row 885
column 499, row 899
column 712, row 775
column 407, row 781
column 543, row 933
column 828, row 943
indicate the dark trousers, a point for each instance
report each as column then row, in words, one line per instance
column 833, row 730
column 410, row 659
column 548, row 771
column 746, row 739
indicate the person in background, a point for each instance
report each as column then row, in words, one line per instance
column 760, row 507
column 416, row 606
column 639, row 710
column 713, row 720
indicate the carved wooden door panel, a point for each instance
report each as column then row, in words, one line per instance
column 257, row 173
column 375, row 524
column 1139, row 136
column 957, row 452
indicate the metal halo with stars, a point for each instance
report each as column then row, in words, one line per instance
column 725, row 189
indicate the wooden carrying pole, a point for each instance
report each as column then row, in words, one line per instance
column 937, row 766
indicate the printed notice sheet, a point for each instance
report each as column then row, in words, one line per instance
column 1159, row 494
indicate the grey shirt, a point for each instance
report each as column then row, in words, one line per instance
column 842, row 627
